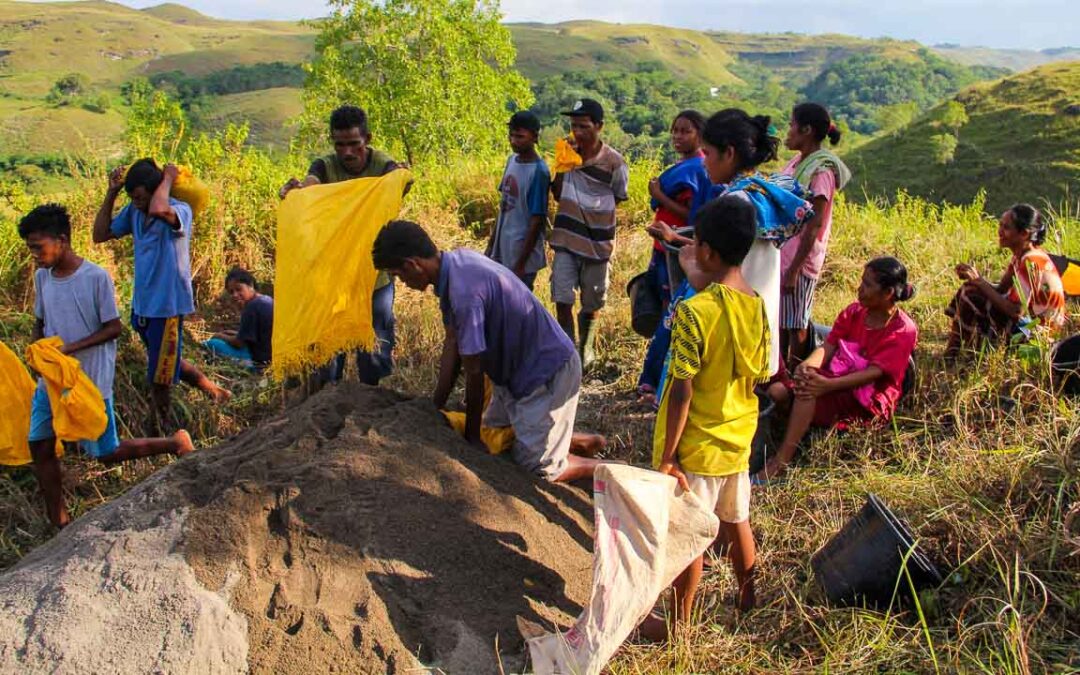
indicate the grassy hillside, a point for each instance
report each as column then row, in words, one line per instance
column 547, row 49
column 1017, row 138
column 110, row 44
column 1013, row 59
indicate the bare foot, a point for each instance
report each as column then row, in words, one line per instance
column 220, row 394
column 654, row 629
column 587, row 445
column 184, row 446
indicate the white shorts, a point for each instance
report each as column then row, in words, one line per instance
column 543, row 420
column 727, row 496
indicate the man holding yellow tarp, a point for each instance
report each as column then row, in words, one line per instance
column 354, row 157
column 324, row 277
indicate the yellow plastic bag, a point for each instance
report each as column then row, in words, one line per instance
column 497, row 439
column 189, row 189
column 324, row 275
column 566, row 158
column 16, row 393
column 78, row 409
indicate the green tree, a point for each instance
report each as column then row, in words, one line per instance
column 156, row 125
column 944, row 148
column 953, row 116
column 436, row 76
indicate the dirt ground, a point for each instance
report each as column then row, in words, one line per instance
column 355, row 533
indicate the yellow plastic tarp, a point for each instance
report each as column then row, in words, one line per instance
column 16, row 392
column 497, row 439
column 324, row 274
column 78, row 410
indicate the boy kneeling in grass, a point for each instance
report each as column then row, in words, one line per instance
column 250, row 344
column 75, row 300
column 708, row 412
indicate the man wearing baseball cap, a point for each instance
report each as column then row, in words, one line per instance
column 583, row 235
column 517, row 242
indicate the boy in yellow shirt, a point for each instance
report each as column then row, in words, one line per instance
column 708, row 411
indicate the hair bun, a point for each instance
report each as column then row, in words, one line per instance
column 909, row 292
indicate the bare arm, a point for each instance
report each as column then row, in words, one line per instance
column 678, row 411
column 474, row 398
column 556, row 186
column 449, row 365
column 676, row 207
column 536, row 226
column 103, row 219
column 107, row 333
column 159, row 202
column 806, row 242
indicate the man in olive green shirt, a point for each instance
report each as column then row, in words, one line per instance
column 353, row 157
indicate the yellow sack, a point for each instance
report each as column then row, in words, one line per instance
column 566, row 158
column 497, row 439
column 78, row 409
column 189, row 189
column 324, row 275
column 16, row 392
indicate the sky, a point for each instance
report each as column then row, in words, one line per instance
column 1021, row 24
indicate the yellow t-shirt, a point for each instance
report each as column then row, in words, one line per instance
column 720, row 341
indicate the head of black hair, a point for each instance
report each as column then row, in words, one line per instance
column 892, row 275
column 349, row 117
column 728, row 225
column 1028, row 218
column 816, row 117
column 751, row 138
column 240, row 275
column 696, row 119
column 48, row 219
column 145, row 174
column 399, row 240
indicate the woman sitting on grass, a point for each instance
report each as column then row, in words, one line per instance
column 1029, row 295
column 859, row 373
column 250, row 344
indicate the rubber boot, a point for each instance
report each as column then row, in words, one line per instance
column 587, row 331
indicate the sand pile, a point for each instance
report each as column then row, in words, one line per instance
column 356, row 533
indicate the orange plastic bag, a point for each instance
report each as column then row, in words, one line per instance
column 497, row 439
column 566, row 158
column 78, row 409
column 16, row 393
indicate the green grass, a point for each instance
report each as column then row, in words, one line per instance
column 269, row 113
column 985, row 491
column 1018, row 144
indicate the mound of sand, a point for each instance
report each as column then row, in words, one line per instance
column 354, row 534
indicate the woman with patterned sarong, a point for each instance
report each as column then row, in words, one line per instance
column 1029, row 296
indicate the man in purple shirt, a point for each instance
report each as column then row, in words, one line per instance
column 498, row 328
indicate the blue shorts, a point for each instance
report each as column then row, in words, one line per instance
column 41, row 426
column 161, row 337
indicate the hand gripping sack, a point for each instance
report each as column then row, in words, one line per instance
column 78, row 409
column 647, row 531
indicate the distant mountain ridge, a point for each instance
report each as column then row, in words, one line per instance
column 1018, row 139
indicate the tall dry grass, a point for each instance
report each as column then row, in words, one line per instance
column 986, row 489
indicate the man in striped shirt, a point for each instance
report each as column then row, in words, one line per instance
column 583, row 234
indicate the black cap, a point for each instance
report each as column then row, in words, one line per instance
column 525, row 119
column 586, row 107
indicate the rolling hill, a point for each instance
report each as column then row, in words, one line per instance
column 1018, row 138
column 107, row 44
